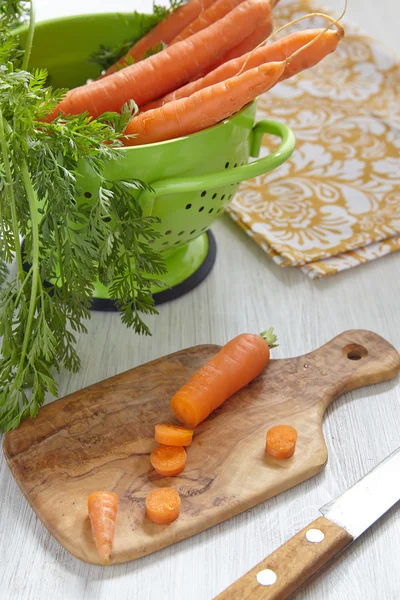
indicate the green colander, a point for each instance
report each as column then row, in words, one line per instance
column 193, row 178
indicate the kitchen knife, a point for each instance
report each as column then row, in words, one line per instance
column 308, row 553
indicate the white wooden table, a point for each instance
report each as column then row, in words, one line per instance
column 245, row 292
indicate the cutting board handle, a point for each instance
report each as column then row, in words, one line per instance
column 354, row 359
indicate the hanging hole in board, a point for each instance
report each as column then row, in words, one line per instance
column 355, row 351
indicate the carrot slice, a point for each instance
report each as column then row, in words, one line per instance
column 102, row 509
column 168, row 460
column 172, row 435
column 163, row 505
column 281, row 441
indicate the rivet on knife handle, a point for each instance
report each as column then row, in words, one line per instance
column 287, row 569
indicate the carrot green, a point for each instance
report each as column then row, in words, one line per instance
column 46, row 296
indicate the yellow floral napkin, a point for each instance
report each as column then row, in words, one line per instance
column 335, row 203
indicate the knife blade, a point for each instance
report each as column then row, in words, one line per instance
column 302, row 558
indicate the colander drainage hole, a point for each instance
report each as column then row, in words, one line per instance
column 165, row 243
column 181, row 233
column 201, row 208
column 223, row 196
column 210, row 211
column 87, row 195
column 168, row 232
column 192, row 232
column 203, row 193
column 214, row 196
column 227, row 165
column 235, row 165
column 188, row 206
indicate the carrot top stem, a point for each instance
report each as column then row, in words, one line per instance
column 270, row 338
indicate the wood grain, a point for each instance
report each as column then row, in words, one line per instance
column 101, row 437
column 294, row 563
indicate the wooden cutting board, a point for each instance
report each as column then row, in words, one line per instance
column 101, row 437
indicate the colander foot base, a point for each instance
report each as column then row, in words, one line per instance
column 175, row 291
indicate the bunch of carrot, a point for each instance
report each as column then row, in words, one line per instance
column 213, row 65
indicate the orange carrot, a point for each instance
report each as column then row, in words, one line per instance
column 277, row 51
column 168, row 460
column 281, row 441
column 203, row 109
column 163, row 505
column 169, row 69
column 102, row 509
column 216, row 11
column 164, row 31
column 172, row 435
column 233, row 367
column 259, row 35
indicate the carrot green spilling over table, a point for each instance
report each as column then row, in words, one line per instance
column 197, row 63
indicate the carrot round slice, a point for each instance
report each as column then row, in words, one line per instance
column 172, row 435
column 281, row 441
column 163, row 505
column 168, row 460
column 102, row 509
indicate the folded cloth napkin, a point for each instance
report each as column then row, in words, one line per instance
column 335, row 203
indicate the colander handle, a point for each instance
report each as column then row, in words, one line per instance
column 176, row 185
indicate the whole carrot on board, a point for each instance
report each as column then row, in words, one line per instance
column 281, row 441
column 169, row 69
column 163, row 32
column 275, row 51
column 163, row 505
column 233, row 367
column 203, row 109
column 217, row 10
column 102, row 509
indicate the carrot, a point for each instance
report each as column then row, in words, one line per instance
column 233, row 367
column 169, row 69
column 102, row 509
column 259, row 35
column 216, row 11
column 163, row 32
column 277, row 51
column 281, row 441
column 163, row 505
column 168, row 460
column 172, row 435
column 203, row 109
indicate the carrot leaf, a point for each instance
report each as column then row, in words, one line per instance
column 68, row 244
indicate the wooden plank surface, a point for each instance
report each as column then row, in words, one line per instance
column 245, row 292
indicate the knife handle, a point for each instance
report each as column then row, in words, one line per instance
column 286, row 570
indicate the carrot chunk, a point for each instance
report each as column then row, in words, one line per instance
column 168, row 460
column 172, row 435
column 102, row 509
column 163, row 505
column 281, row 441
